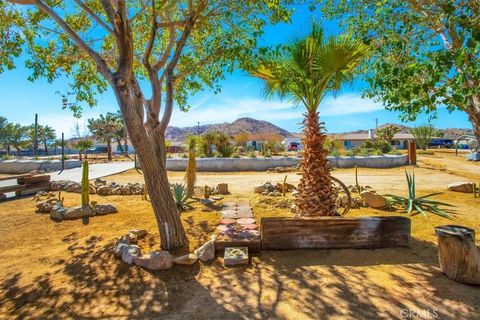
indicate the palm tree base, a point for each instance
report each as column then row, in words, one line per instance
column 316, row 194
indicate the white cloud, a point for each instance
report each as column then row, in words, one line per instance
column 227, row 110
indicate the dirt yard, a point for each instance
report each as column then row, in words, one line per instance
column 65, row 270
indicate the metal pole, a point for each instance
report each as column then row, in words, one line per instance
column 63, row 152
column 198, row 128
column 35, row 141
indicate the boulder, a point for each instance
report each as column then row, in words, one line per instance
column 58, row 212
column 466, row 187
column 290, row 187
column 374, row 200
column 222, row 188
column 78, row 212
column 103, row 190
column 140, row 233
column 187, row 259
column 155, row 260
column 206, row 252
column 120, row 245
column 105, row 209
column 45, row 206
column 130, row 253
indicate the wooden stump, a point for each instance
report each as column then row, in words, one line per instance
column 457, row 253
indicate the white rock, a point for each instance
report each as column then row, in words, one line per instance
column 155, row 260
column 130, row 253
column 374, row 200
column 187, row 259
column 206, row 252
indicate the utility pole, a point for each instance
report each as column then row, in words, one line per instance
column 376, row 124
column 198, row 128
column 63, row 152
column 35, row 137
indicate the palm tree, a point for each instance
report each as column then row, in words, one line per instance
column 190, row 174
column 305, row 72
column 105, row 128
column 208, row 140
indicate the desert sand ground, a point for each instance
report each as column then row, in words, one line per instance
column 65, row 270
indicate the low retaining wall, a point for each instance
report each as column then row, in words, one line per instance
column 386, row 161
column 232, row 164
column 262, row 164
column 25, row 166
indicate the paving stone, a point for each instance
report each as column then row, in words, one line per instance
column 246, row 221
column 244, row 204
column 250, row 226
column 228, row 221
column 224, row 227
column 229, row 214
column 245, row 213
column 229, row 204
column 235, row 256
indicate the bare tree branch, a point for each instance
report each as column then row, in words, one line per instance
column 94, row 16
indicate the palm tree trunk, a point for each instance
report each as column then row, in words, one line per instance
column 45, row 145
column 316, row 194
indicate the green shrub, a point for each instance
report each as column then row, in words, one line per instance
column 380, row 145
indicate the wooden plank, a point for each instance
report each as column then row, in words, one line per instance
column 33, row 180
column 16, row 177
column 14, row 188
column 334, row 232
column 252, row 245
column 33, row 189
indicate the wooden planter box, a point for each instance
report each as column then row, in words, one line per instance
column 334, row 232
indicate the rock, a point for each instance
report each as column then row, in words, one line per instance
column 198, row 191
column 103, row 190
column 58, row 212
column 466, row 187
column 294, row 193
column 155, row 260
column 342, row 201
column 222, row 188
column 121, row 244
column 290, row 187
column 259, row 189
column 140, row 233
column 187, row 259
column 44, row 206
column 206, row 252
column 216, row 198
column 105, row 209
column 99, row 182
column 374, row 200
column 293, row 208
column 78, row 212
column 130, row 253
column 133, row 238
column 274, row 194
column 207, row 202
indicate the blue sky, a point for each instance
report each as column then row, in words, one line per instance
column 241, row 96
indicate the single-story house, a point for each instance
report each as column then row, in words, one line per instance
column 256, row 141
column 352, row 140
column 294, row 141
column 465, row 141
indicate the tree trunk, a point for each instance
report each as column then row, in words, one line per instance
column 8, row 150
column 80, row 155
column 46, row 148
column 149, row 144
column 457, row 253
column 473, row 112
column 316, row 194
column 109, row 149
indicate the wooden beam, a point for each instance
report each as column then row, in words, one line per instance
column 334, row 232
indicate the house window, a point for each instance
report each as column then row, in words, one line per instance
column 347, row 144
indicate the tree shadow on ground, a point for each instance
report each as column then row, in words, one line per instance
column 300, row 284
column 93, row 284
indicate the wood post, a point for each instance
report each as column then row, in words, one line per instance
column 412, row 153
column 457, row 253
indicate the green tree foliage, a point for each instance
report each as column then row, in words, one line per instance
column 83, row 145
column 15, row 135
column 45, row 135
column 426, row 53
column 423, row 135
column 106, row 128
column 387, row 133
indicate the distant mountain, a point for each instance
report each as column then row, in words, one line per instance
column 448, row 133
column 241, row 125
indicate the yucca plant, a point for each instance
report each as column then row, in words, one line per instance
column 420, row 204
column 181, row 197
column 190, row 174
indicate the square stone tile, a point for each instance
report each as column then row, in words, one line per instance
column 235, row 256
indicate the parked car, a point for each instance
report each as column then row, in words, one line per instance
column 442, row 143
column 293, row 146
column 97, row 150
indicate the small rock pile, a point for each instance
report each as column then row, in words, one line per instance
column 268, row 189
column 282, row 169
column 99, row 187
column 461, row 186
column 128, row 250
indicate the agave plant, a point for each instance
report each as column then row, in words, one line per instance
column 181, row 197
column 420, row 204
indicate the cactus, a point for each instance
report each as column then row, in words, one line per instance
column 284, row 186
column 357, row 185
column 85, row 185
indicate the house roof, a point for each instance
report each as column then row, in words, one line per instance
column 265, row 137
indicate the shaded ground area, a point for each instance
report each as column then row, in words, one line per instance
column 65, row 270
